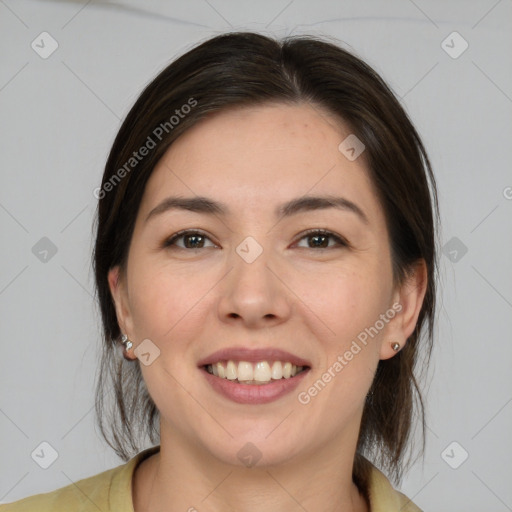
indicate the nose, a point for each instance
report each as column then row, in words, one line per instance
column 254, row 294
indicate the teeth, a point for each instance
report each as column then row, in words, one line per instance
column 261, row 372
column 221, row 371
column 245, row 371
column 287, row 370
column 277, row 370
column 231, row 371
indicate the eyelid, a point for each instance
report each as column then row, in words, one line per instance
column 170, row 241
column 341, row 241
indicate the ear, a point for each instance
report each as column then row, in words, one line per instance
column 408, row 300
column 118, row 290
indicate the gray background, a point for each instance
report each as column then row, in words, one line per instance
column 60, row 115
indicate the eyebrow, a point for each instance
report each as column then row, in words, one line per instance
column 208, row 206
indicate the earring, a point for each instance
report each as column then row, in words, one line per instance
column 395, row 346
column 126, row 342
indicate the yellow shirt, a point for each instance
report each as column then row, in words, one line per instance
column 111, row 491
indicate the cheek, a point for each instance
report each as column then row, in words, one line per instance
column 346, row 301
column 169, row 304
column 349, row 304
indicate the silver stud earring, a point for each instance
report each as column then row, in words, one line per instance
column 395, row 346
column 126, row 342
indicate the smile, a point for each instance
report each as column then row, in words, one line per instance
column 254, row 373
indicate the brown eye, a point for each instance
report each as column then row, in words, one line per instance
column 190, row 240
column 320, row 239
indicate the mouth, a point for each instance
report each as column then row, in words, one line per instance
column 253, row 376
column 254, row 373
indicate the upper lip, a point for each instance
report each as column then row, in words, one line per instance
column 253, row 355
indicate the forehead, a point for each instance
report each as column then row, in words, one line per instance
column 262, row 155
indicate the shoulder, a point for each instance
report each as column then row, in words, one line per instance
column 406, row 505
column 86, row 494
column 384, row 498
column 109, row 490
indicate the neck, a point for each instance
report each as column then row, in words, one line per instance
column 181, row 478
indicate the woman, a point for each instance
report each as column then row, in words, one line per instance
column 265, row 263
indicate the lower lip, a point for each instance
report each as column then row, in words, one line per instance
column 256, row 393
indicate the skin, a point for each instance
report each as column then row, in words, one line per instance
column 307, row 300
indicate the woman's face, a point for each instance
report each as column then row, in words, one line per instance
column 251, row 281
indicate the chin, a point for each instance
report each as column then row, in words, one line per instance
column 256, row 450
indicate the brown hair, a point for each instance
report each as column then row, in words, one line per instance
column 244, row 68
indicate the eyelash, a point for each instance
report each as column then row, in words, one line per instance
column 170, row 242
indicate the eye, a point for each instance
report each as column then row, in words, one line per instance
column 320, row 239
column 191, row 240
